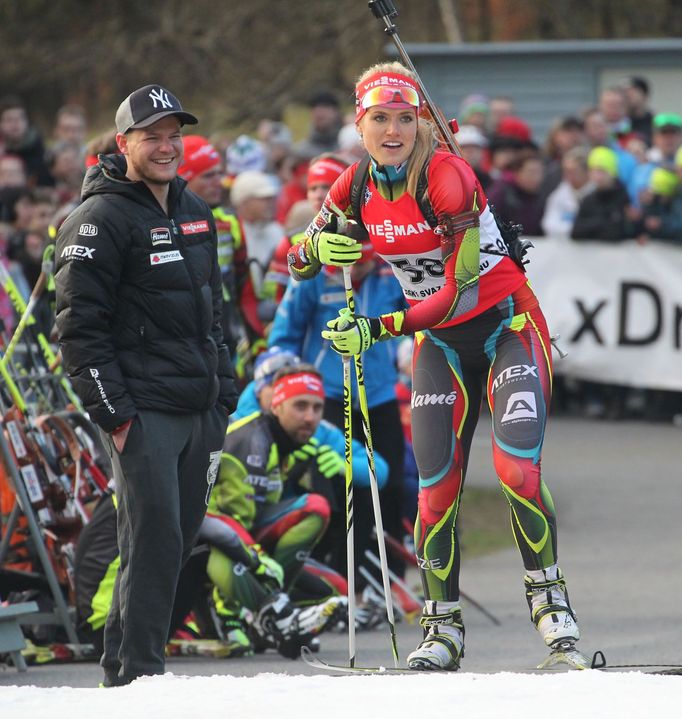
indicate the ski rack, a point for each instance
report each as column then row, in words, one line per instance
column 61, row 615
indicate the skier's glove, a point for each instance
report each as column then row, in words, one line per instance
column 330, row 248
column 352, row 335
column 307, row 451
column 329, row 462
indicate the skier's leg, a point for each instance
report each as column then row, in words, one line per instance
column 445, row 407
column 519, row 391
column 290, row 529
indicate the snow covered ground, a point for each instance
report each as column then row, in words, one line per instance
column 466, row 695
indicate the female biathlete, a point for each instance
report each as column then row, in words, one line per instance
column 475, row 320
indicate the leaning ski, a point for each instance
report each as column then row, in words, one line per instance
column 316, row 663
column 565, row 654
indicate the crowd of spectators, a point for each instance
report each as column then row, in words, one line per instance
column 609, row 173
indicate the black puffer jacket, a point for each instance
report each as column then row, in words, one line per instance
column 139, row 300
column 602, row 215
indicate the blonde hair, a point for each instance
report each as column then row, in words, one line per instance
column 426, row 140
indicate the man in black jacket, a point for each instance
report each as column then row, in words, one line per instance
column 138, row 314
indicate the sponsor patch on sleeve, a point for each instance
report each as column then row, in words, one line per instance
column 88, row 230
column 160, row 258
column 78, row 252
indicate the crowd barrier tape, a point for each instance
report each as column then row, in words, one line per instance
column 617, row 307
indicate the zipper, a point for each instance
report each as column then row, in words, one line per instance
column 144, row 350
column 196, row 291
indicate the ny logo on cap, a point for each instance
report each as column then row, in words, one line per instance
column 162, row 96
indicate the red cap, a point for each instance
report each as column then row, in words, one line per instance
column 325, row 171
column 200, row 156
column 511, row 126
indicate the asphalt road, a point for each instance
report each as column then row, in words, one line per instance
column 616, row 486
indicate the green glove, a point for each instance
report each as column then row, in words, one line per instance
column 307, row 451
column 329, row 462
column 330, row 248
column 268, row 568
column 351, row 335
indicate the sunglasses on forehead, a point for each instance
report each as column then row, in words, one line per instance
column 385, row 95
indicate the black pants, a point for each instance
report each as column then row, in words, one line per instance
column 389, row 441
column 162, row 482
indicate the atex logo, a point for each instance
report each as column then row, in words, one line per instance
column 521, row 405
column 161, row 236
column 514, row 372
column 87, row 230
column 160, row 96
column 79, row 252
column 421, row 400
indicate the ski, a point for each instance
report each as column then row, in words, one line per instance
column 599, row 662
column 565, row 654
column 316, row 663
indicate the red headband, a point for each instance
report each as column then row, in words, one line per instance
column 293, row 385
column 325, row 171
column 200, row 156
column 381, row 79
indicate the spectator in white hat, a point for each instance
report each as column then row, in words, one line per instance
column 473, row 144
column 253, row 196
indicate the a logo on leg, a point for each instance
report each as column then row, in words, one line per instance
column 521, row 405
column 212, row 472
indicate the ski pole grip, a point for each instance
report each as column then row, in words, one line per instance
column 383, row 10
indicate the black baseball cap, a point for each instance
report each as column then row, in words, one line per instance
column 148, row 105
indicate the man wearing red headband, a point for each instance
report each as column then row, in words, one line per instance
column 249, row 497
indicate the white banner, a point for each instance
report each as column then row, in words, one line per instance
column 617, row 307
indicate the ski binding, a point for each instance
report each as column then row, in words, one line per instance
column 564, row 653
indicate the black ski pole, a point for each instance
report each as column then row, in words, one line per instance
column 385, row 10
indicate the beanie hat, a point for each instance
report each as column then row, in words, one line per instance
column 663, row 182
column 471, row 135
column 325, row 170
column 200, row 156
column 472, row 104
column 511, row 126
column 268, row 362
column 245, row 153
column 602, row 158
column 252, row 184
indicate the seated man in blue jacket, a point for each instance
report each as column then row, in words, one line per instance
column 302, row 315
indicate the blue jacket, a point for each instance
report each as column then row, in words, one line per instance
column 328, row 434
column 308, row 306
